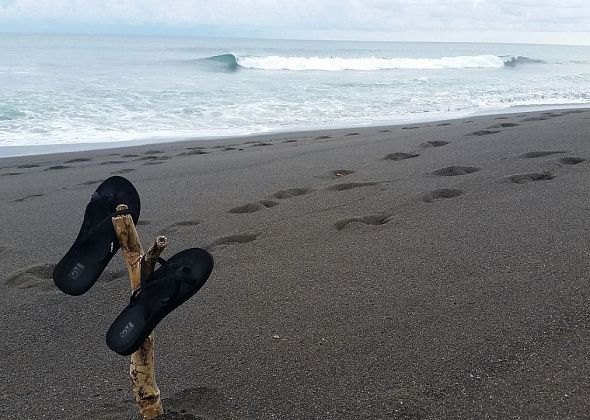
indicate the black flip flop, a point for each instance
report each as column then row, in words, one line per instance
column 166, row 289
column 97, row 242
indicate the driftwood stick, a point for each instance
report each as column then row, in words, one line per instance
column 145, row 389
column 151, row 257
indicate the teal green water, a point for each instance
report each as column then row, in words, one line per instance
column 90, row 89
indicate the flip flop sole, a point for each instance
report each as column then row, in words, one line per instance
column 131, row 328
column 84, row 262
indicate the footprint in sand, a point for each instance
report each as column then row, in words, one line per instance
column 112, row 162
column 504, row 125
column 175, row 227
column 34, row 277
column 441, row 194
column 197, row 403
column 540, row 153
column 20, row 200
column 372, row 219
column 409, row 128
column 443, row 124
column 400, row 156
column 122, row 171
column 28, row 166
column 193, row 152
column 456, row 170
column 12, row 173
column 350, row 186
column 254, row 207
column 323, row 137
column 224, row 147
column 387, row 130
column 143, row 223
column 535, row 119
column 295, row 141
column 291, row 192
column 129, row 156
column 434, row 143
column 530, row 177
column 256, row 143
column 571, row 160
column 152, row 157
column 241, row 238
column 482, row 133
column 335, row 174
column 352, row 134
column 56, row 168
column 78, row 160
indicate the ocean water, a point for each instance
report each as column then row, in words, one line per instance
column 62, row 89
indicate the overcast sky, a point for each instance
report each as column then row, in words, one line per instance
column 560, row 21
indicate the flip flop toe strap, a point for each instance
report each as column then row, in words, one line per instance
column 146, row 289
column 100, row 224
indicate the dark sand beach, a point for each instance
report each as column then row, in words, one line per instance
column 435, row 270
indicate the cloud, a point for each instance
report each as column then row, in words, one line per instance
column 359, row 15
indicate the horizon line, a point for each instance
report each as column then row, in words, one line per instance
column 265, row 38
column 466, row 37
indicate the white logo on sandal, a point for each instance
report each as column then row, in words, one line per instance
column 77, row 271
column 126, row 330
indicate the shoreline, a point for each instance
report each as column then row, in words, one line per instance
column 38, row 150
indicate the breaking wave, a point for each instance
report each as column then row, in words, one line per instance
column 232, row 62
column 519, row 59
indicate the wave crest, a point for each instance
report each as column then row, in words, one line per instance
column 232, row 62
column 520, row 59
column 228, row 61
column 368, row 64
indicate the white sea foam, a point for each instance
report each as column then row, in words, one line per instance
column 135, row 90
column 276, row 62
